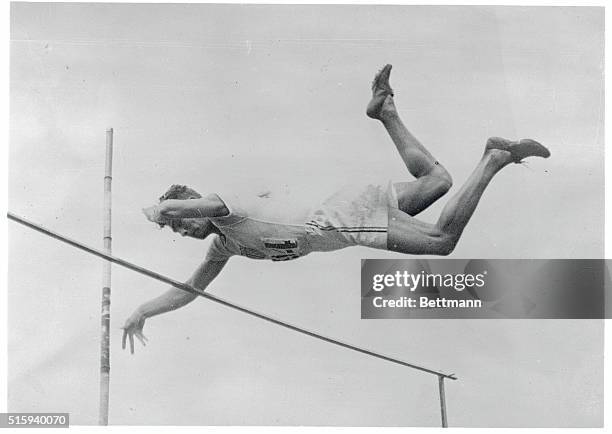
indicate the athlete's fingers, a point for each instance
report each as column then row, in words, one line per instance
column 140, row 338
column 131, row 335
column 123, row 339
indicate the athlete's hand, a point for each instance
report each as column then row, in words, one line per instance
column 133, row 327
column 153, row 214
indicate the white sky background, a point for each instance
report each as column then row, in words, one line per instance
column 222, row 96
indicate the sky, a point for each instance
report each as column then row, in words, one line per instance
column 223, row 96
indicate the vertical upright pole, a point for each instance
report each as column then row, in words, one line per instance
column 106, row 285
column 442, row 401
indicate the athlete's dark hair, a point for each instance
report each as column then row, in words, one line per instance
column 181, row 192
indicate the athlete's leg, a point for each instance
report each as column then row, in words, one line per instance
column 433, row 180
column 409, row 235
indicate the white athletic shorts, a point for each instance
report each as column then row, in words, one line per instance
column 355, row 215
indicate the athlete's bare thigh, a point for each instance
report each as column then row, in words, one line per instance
column 406, row 234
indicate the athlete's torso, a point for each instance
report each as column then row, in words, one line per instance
column 265, row 224
column 289, row 223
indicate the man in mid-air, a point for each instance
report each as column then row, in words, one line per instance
column 265, row 226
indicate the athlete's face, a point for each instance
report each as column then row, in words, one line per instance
column 195, row 228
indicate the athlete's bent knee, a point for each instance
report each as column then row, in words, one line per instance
column 445, row 180
column 444, row 184
column 445, row 250
column 445, row 246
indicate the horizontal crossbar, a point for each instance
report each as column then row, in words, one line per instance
column 216, row 299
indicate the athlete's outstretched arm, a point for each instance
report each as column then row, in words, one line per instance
column 172, row 299
column 170, row 209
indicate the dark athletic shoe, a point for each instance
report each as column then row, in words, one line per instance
column 519, row 149
column 380, row 90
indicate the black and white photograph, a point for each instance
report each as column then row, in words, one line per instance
column 195, row 191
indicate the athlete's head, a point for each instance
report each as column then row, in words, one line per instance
column 181, row 192
column 195, row 227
